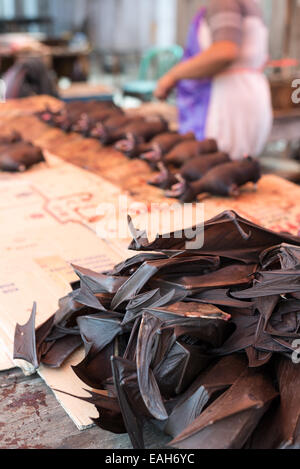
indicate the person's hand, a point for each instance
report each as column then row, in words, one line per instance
column 165, row 86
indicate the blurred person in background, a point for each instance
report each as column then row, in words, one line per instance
column 222, row 92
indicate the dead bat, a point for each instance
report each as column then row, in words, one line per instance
column 101, row 130
column 221, row 297
column 133, row 409
column 154, row 151
column 30, row 347
column 278, row 274
column 99, row 283
column 154, row 299
column 108, row 407
column 229, row 421
column 73, row 111
column 113, row 136
column 165, row 179
column 20, row 156
column 160, row 268
column 223, row 180
column 197, row 167
column 139, row 132
column 214, row 380
column 228, row 235
column 60, row 350
column 191, row 171
column 231, row 275
column 271, row 283
column 188, row 150
column 76, row 116
column 280, row 428
column 284, row 257
column 25, row 342
column 129, row 266
column 87, row 122
column 95, row 368
column 159, row 331
column 253, row 338
column 63, row 121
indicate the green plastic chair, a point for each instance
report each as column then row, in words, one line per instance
column 155, row 63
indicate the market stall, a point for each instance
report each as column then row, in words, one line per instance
column 150, row 226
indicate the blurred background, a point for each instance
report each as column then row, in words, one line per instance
column 115, row 33
column 102, row 48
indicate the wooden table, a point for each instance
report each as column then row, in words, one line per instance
column 31, row 418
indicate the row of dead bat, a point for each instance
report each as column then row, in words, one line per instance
column 187, row 167
column 18, row 155
column 198, row 342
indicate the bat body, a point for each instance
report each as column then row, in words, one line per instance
column 87, row 121
column 223, row 180
column 73, row 115
column 191, row 171
column 197, row 167
column 154, row 151
column 188, row 150
column 165, row 179
column 101, row 130
column 137, row 133
column 135, row 124
column 19, row 156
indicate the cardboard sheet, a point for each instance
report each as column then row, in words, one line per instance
column 65, row 379
column 48, row 222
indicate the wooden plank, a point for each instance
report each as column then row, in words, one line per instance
column 30, row 417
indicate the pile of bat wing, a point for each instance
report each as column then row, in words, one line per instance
column 18, row 155
column 199, row 342
column 186, row 166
